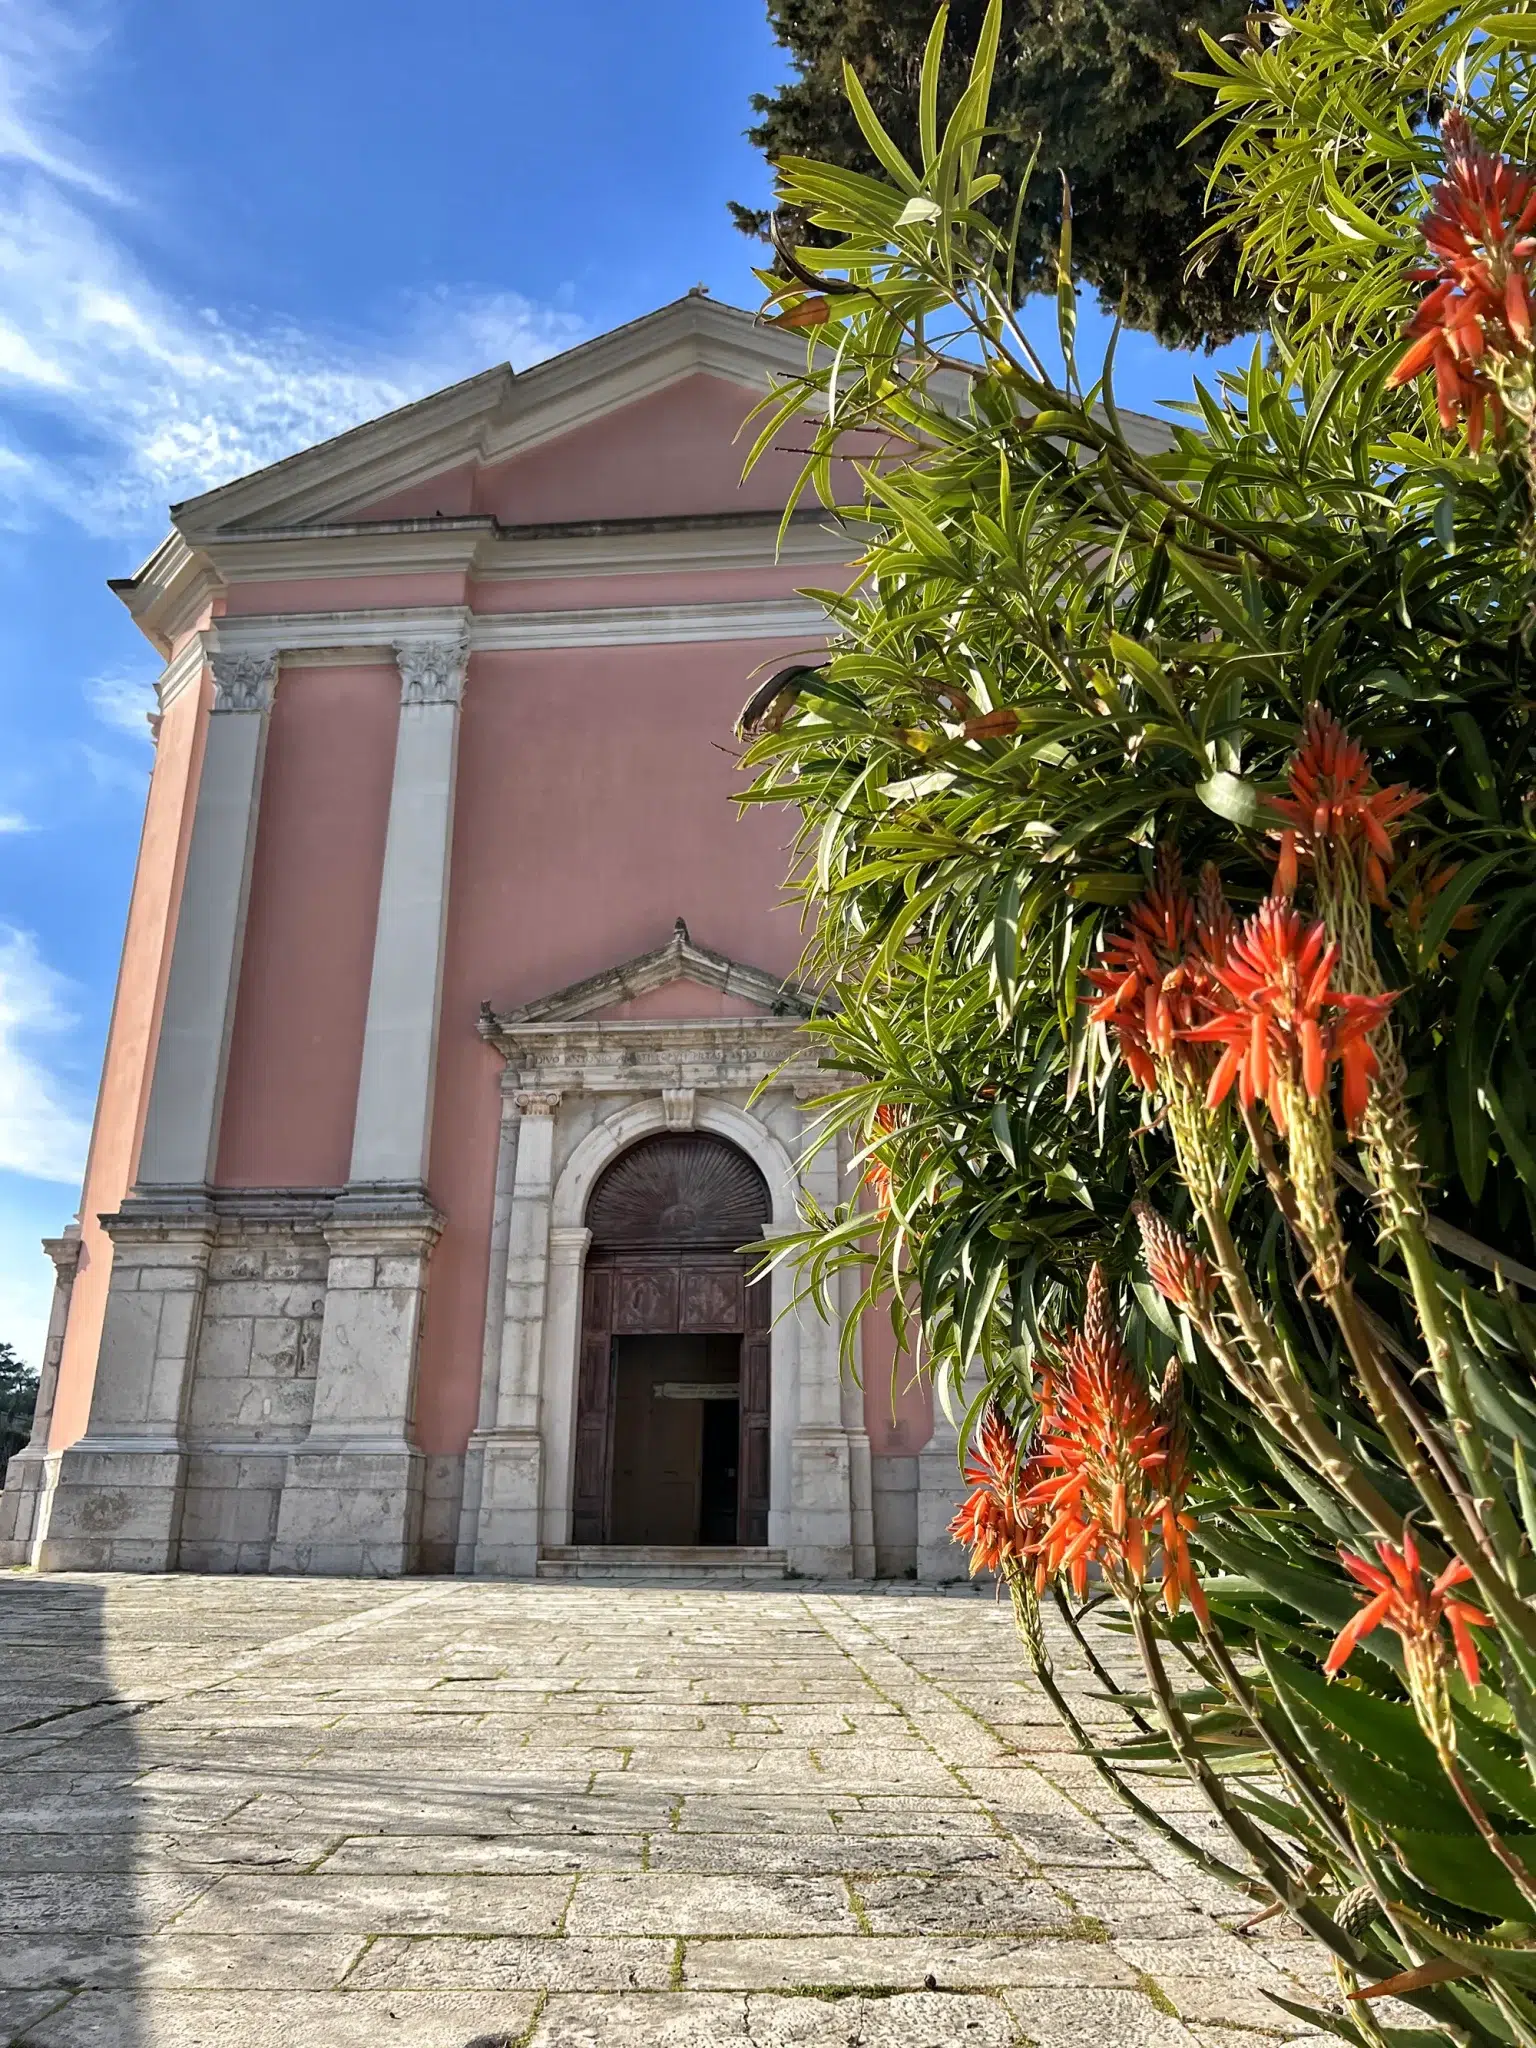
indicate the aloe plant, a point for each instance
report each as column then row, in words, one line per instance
column 1227, row 1183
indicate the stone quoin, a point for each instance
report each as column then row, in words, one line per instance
column 443, row 909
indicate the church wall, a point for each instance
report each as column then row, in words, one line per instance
column 679, row 451
column 130, row 1044
column 296, row 1051
column 594, row 808
column 344, row 593
column 649, row 587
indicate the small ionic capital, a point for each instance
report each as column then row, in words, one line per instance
column 537, row 1101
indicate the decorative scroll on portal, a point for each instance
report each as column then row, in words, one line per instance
column 679, row 1191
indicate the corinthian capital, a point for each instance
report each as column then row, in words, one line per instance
column 432, row 671
column 243, row 681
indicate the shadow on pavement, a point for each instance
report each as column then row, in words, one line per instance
column 75, row 1900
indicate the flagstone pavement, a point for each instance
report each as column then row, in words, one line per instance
column 457, row 1814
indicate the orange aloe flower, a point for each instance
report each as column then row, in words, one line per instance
column 993, row 1523
column 1332, row 801
column 1286, row 1025
column 877, row 1174
column 1415, row 1608
column 1150, row 981
column 1180, row 1274
column 1478, row 313
column 1111, row 1489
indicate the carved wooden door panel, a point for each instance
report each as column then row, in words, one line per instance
column 752, row 1499
column 594, row 1401
column 712, row 1297
column 645, row 1297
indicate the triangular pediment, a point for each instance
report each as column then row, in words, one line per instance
column 629, row 991
column 492, row 418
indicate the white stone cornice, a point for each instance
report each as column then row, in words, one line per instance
column 777, row 618
column 243, row 678
column 774, row 618
column 432, row 671
column 482, row 547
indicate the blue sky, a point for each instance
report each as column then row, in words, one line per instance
column 225, row 233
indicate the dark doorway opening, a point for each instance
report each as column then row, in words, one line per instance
column 672, row 1401
column 676, row 1424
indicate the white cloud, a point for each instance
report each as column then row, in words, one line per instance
column 161, row 399
column 41, row 47
column 42, row 1133
column 123, row 701
column 13, row 821
column 26, row 1282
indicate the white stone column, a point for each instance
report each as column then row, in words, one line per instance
column 941, row 1487
column 511, row 1449
column 352, row 1493
column 181, row 1127
column 861, row 1480
column 117, row 1501
column 393, row 1130
column 23, row 1504
column 821, row 1540
column 490, row 1347
column 568, row 1245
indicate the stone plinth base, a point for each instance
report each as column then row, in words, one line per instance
column 114, row 1508
column 820, row 1542
column 510, row 1465
column 29, row 1480
column 350, row 1512
column 940, row 1490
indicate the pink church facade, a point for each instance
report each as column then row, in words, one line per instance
column 456, row 1044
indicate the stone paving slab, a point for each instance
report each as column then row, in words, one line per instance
column 474, row 1815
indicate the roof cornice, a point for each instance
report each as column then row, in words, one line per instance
column 483, row 547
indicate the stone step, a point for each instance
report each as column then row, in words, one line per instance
column 717, row 1563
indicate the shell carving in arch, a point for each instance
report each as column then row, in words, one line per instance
column 679, row 1189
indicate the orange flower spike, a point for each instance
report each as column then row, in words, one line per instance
column 1105, row 1484
column 1285, row 1025
column 1479, row 307
column 992, row 1523
column 1415, row 1610
column 1150, row 984
column 877, row 1174
column 1332, row 800
column 1180, row 1274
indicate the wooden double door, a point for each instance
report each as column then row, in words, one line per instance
column 670, row 1401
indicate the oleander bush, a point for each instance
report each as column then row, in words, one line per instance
column 1168, row 839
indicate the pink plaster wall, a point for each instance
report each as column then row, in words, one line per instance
column 291, row 1093
column 594, row 808
column 131, row 1037
column 684, row 999
column 345, row 593
column 655, row 586
column 449, row 496
column 674, row 452
column 898, row 1407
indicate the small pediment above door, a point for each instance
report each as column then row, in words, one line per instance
column 680, row 980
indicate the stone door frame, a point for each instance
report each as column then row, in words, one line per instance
column 576, row 1091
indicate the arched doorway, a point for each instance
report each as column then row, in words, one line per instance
column 672, row 1395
